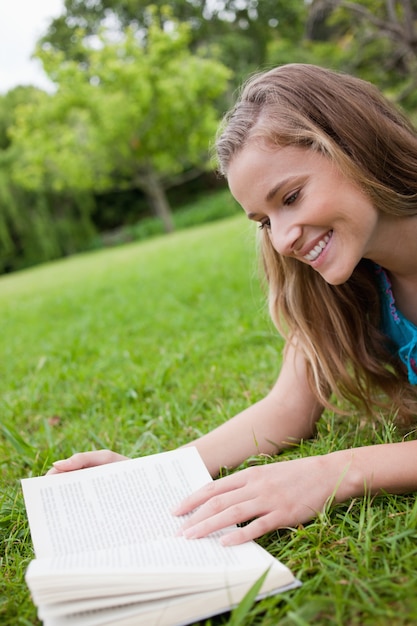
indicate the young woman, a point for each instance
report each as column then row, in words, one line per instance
column 328, row 168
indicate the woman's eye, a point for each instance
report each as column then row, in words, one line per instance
column 291, row 198
column 265, row 224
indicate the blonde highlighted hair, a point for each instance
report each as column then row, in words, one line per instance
column 349, row 121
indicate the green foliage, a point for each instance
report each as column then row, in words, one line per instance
column 207, row 209
column 135, row 106
column 8, row 105
column 38, row 227
column 137, row 112
column 235, row 32
column 325, row 53
column 378, row 39
column 143, row 347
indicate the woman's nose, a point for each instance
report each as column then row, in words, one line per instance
column 285, row 237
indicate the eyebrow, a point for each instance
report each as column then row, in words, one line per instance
column 272, row 192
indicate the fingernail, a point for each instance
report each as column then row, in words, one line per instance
column 189, row 533
column 226, row 540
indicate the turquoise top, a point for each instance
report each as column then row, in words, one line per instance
column 397, row 327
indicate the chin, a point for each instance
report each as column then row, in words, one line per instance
column 336, row 280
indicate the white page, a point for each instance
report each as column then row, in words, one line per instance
column 175, row 611
column 110, row 528
column 161, row 565
column 111, row 505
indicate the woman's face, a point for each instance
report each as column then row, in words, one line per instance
column 312, row 212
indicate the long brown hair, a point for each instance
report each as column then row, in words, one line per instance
column 348, row 120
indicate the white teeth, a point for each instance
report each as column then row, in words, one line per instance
column 314, row 253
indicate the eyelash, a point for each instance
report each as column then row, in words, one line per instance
column 287, row 202
column 265, row 224
column 291, row 198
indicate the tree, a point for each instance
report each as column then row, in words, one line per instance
column 381, row 37
column 236, row 31
column 34, row 227
column 138, row 112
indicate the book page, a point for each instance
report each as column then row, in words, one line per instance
column 107, row 547
column 177, row 557
column 111, row 506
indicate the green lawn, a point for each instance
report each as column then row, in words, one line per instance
column 141, row 348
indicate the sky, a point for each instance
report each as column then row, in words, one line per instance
column 22, row 23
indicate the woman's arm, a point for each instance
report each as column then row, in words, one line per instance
column 282, row 418
column 382, row 468
column 288, row 493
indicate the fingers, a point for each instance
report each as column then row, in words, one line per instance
column 258, row 495
column 215, row 488
column 251, row 531
column 219, row 512
column 82, row 460
column 222, row 504
column 232, row 508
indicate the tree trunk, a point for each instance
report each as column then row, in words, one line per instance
column 155, row 192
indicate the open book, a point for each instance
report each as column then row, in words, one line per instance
column 107, row 550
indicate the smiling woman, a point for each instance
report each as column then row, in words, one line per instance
column 313, row 213
column 328, row 168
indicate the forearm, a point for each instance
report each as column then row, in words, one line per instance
column 263, row 428
column 284, row 417
column 390, row 468
column 288, row 493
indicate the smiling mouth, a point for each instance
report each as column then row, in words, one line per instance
column 318, row 248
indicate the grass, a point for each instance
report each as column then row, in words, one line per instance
column 142, row 347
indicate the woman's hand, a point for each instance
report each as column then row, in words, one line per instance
column 81, row 460
column 279, row 495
